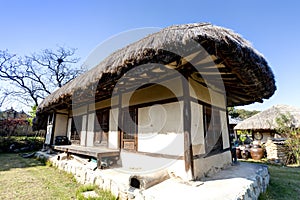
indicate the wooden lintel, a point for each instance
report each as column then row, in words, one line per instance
column 157, row 155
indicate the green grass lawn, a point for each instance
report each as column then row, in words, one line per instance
column 284, row 182
column 27, row 178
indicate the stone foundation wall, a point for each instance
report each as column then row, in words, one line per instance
column 235, row 181
column 87, row 174
column 209, row 166
column 258, row 184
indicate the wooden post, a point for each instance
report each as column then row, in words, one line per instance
column 120, row 120
column 99, row 161
column 52, row 139
column 188, row 150
column 86, row 125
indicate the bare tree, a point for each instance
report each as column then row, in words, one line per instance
column 4, row 94
column 34, row 77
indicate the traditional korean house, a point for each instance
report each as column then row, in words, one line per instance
column 13, row 122
column 161, row 101
column 263, row 125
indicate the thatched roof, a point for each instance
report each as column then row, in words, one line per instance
column 266, row 120
column 245, row 73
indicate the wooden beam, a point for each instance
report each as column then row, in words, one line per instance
column 86, row 126
column 157, row 155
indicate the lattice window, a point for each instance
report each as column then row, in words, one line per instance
column 213, row 130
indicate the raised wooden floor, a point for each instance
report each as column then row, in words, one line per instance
column 96, row 152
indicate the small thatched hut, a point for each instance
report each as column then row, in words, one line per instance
column 161, row 99
column 263, row 125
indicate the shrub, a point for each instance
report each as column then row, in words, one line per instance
column 20, row 143
column 287, row 129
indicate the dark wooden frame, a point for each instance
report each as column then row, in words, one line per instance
column 76, row 130
column 101, row 110
column 135, row 135
column 53, row 126
column 213, row 151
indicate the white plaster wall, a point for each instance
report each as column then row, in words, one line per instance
column 208, row 96
column 82, row 138
column 153, row 93
column 113, row 136
column 83, row 131
column 177, row 169
column 48, row 134
column 225, row 131
column 69, row 128
column 163, row 118
column 61, row 123
column 170, row 143
column 90, row 130
column 138, row 163
column 160, row 129
column 197, row 129
column 90, row 138
column 212, row 164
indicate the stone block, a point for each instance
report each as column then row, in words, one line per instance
column 99, row 181
column 81, row 176
column 90, row 177
column 106, row 184
column 114, row 188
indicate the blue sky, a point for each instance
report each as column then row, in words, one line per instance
column 271, row 26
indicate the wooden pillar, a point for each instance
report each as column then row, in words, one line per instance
column 120, row 120
column 52, row 139
column 86, row 125
column 188, row 150
column 98, row 160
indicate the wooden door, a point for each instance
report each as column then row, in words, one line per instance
column 129, row 131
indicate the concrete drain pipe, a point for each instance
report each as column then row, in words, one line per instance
column 144, row 181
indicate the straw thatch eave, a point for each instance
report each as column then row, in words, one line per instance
column 266, row 120
column 247, row 77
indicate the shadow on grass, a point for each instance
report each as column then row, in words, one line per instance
column 13, row 160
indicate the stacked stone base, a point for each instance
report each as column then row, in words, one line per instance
column 258, row 184
column 89, row 174
column 243, row 181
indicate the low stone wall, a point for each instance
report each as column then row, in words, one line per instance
column 258, row 184
column 87, row 173
column 242, row 181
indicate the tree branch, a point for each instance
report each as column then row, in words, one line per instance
column 38, row 75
